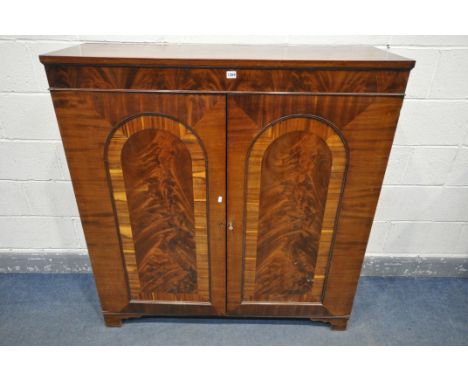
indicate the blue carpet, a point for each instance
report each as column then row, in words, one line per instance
column 46, row 309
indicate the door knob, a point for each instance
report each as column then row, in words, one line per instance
column 230, row 227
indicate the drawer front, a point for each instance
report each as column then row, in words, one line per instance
column 227, row 80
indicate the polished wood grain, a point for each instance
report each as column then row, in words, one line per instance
column 88, row 121
column 290, row 204
column 294, row 179
column 214, row 55
column 157, row 168
column 362, row 128
column 214, row 80
column 166, row 153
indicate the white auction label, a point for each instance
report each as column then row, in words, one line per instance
column 231, row 74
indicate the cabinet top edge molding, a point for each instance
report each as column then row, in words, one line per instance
column 235, row 56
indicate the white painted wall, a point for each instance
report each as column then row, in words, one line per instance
column 423, row 209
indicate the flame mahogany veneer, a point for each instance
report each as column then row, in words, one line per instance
column 223, row 180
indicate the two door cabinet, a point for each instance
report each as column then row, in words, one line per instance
column 226, row 180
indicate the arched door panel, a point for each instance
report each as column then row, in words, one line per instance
column 158, row 173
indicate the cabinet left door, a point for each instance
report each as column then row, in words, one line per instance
column 148, row 172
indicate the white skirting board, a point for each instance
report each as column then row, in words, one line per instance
column 411, row 266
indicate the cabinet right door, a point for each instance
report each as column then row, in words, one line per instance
column 304, row 177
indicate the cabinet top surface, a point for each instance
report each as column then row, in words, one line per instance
column 194, row 55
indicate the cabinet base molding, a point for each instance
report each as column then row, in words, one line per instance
column 336, row 323
column 115, row 320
